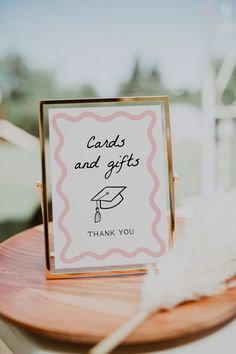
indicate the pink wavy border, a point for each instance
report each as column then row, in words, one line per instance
column 65, row 210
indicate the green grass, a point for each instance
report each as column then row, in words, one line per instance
column 187, row 164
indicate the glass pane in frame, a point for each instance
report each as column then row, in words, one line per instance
column 112, row 141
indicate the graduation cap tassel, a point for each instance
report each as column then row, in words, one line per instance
column 97, row 216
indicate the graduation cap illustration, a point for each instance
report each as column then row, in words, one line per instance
column 107, row 198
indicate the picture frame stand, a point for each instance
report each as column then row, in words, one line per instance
column 113, row 120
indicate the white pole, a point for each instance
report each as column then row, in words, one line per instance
column 208, row 108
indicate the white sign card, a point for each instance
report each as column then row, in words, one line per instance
column 109, row 187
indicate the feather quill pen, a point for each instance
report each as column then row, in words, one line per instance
column 199, row 265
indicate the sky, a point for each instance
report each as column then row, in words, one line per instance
column 97, row 41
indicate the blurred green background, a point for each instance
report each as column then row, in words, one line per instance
column 122, row 61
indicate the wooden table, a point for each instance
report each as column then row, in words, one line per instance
column 86, row 310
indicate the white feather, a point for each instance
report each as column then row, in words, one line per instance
column 203, row 257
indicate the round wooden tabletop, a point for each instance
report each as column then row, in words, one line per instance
column 87, row 310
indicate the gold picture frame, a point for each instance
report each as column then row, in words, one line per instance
column 51, row 272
